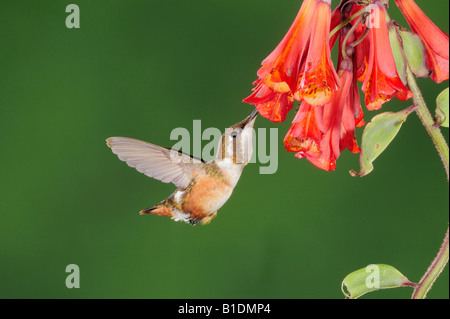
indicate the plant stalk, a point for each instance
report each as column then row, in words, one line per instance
column 428, row 121
column 435, row 269
column 441, row 259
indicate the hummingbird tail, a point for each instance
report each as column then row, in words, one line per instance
column 157, row 210
column 147, row 211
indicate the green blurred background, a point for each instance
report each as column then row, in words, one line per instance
column 140, row 69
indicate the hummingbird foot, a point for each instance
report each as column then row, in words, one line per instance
column 203, row 220
column 206, row 220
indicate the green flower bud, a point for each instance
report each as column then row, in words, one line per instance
column 415, row 53
column 397, row 50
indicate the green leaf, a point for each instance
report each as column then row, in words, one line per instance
column 376, row 137
column 441, row 116
column 372, row 278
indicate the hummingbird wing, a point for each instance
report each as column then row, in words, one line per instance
column 164, row 164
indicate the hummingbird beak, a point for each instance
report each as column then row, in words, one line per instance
column 250, row 120
column 253, row 115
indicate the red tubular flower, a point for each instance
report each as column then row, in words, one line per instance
column 381, row 80
column 435, row 40
column 305, row 133
column 320, row 133
column 300, row 67
column 271, row 104
column 318, row 79
column 282, row 65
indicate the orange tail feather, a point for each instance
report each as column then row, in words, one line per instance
column 157, row 210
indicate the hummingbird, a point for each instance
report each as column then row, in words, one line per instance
column 202, row 187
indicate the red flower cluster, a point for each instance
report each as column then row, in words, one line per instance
column 300, row 68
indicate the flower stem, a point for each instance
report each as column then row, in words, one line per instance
column 348, row 34
column 347, row 21
column 427, row 121
column 441, row 260
column 435, row 269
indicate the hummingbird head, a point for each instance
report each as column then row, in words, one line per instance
column 236, row 143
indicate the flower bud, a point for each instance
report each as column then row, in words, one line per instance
column 415, row 52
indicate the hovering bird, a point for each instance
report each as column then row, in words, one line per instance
column 202, row 187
